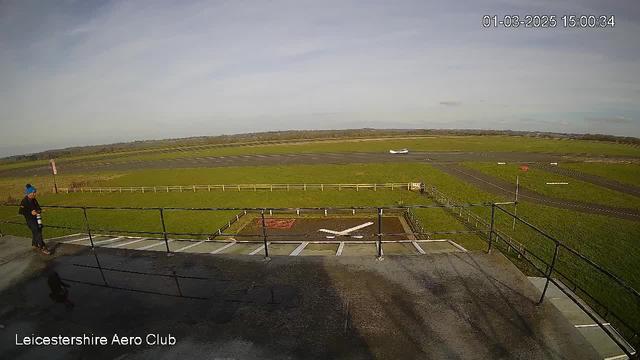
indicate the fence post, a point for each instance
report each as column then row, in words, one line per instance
column 553, row 263
column 305, row 187
column 379, row 233
column 493, row 212
column 86, row 221
column 375, row 187
column 194, row 188
column 164, row 230
column 322, row 187
column 264, row 234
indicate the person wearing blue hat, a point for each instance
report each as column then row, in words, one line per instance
column 31, row 210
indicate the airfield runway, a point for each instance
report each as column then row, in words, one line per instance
column 294, row 159
column 444, row 160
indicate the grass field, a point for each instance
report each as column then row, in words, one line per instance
column 12, row 189
column 461, row 143
column 536, row 179
column 624, row 173
column 475, row 143
column 610, row 242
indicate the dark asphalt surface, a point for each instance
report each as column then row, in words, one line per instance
column 503, row 188
column 447, row 306
column 290, row 159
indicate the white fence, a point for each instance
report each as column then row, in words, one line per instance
column 238, row 187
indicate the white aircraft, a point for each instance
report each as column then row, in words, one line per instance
column 346, row 232
column 401, row 151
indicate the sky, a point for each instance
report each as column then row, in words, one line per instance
column 95, row 72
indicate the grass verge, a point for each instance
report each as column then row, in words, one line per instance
column 624, row 173
column 577, row 190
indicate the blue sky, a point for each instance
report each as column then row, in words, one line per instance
column 92, row 72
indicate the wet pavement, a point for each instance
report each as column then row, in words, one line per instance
column 444, row 306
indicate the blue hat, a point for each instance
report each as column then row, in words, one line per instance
column 30, row 189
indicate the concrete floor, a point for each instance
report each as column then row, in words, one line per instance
column 440, row 306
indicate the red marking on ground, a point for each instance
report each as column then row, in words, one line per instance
column 277, row 223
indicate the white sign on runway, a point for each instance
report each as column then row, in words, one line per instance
column 346, row 232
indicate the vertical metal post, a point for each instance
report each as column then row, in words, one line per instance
column 546, row 285
column 100, row 267
column 515, row 206
column 175, row 276
column 493, row 213
column 164, row 230
column 264, row 234
column 379, row 233
column 86, row 221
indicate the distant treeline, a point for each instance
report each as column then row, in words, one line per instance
column 295, row 135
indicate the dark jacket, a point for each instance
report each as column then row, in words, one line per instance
column 26, row 206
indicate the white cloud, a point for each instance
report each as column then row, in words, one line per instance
column 138, row 67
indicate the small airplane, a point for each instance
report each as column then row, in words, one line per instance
column 401, row 151
column 346, row 232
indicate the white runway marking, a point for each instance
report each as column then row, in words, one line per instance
column 299, row 249
column 222, row 248
column 189, row 246
column 162, row 242
column 347, row 231
column 127, row 243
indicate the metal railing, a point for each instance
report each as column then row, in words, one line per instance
column 236, row 187
column 462, row 211
column 548, row 269
column 379, row 211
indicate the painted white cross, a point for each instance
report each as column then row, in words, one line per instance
column 346, row 232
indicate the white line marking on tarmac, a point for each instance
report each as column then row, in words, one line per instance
column 189, row 246
column 456, row 245
column 420, row 250
column 591, row 325
column 258, row 250
column 154, row 245
column 75, row 240
column 107, row 241
column 617, row 357
column 127, row 243
column 63, row 237
column 340, row 248
column 299, row 249
column 222, row 248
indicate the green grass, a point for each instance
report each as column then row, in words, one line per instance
column 455, row 143
column 12, row 189
column 610, row 242
column 471, row 143
column 536, row 179
column 284, row 174
column 624, row 173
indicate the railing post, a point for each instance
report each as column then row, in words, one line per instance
column 379, row 233
column 164, row 230
column 546, row 285
column 264, row 234
column 493, row 213
column 86, row 221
